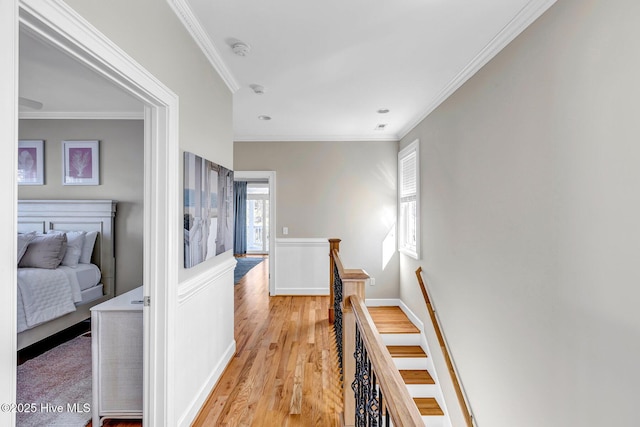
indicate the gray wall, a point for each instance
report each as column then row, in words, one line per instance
column 335, row 189
column 150, row 32
column 121, row 179
column 530, row 230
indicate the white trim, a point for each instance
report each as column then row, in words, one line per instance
column 382, row 302
column 302, row 291
column 81, row 115
column 303, row 266
column 402, row 154
column 8, row 215
column 58, row 24
column 316, row 138
column 183, row 11
column 532, row 11
column 411, row 315
column 271, row 177
column 193, row 286
column 301, row 241
column 194, row 407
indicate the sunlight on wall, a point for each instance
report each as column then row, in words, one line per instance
column 389, row 246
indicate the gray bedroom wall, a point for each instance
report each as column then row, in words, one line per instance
column 335, row 189
column 530, row 230
column 121, row 179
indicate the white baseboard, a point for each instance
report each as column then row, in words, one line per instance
column 301, row 291
column 194, row 407
column 382, row 302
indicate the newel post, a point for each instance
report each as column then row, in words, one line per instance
column 334, row 244
column 353, row 283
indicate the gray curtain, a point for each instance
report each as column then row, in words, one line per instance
column 240, row 213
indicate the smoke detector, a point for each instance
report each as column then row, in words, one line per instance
column 240, row 48
column 257, row 89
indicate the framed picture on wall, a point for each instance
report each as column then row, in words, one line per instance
column 30, row 162
column 208, row 209
column 80, row 163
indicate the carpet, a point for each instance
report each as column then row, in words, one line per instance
column 243, row 266
column 55, row 387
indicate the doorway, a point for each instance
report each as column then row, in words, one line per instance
column 257, row 226
column 265, row 198
column 161, row 195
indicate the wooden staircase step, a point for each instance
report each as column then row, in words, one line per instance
column 406, row 351
column 428, row 406
column 392, row 320
column 421, row 376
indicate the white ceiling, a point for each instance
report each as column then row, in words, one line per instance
column 66, row 88
column 326, row 67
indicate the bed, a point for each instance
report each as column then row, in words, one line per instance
column 53, row 299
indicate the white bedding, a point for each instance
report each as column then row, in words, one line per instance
column 87, row 275
column 45, row 294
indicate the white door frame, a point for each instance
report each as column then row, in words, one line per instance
column 58, row 24
column 270, row 176
column 8, row 215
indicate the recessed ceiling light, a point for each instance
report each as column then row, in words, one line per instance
column 383, row 111
column 381, row 126
column 263, row 117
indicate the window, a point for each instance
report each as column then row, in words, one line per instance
column 257, row 231
column 409, row 200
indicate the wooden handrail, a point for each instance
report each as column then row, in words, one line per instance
column 454, row 377
column 334, row 245
column 348, row 273
column 402, row 409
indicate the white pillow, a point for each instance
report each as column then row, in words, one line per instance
column 45, row 251
column 75, row 243
column 87, row 248
column 23, row 241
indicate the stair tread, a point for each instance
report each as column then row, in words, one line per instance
column 428, row 406
column 421, row 376
column 406, row 351
column 392, row 320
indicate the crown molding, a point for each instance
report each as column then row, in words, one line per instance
column 80, row 115
column 316, row 138
column 200, row 36
column 527, row 15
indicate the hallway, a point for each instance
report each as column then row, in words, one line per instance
column 284, row 372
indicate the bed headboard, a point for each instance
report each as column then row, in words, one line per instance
column 76, row 215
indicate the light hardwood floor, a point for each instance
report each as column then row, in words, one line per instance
column 285, row 371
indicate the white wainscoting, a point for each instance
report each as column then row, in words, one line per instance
column 205, row 341
column 302, row 266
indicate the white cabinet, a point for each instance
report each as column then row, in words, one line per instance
column 116, row 333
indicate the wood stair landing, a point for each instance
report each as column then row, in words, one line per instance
column 392, row 320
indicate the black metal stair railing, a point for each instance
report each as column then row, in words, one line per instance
column 370, row 409
column 337, row 307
